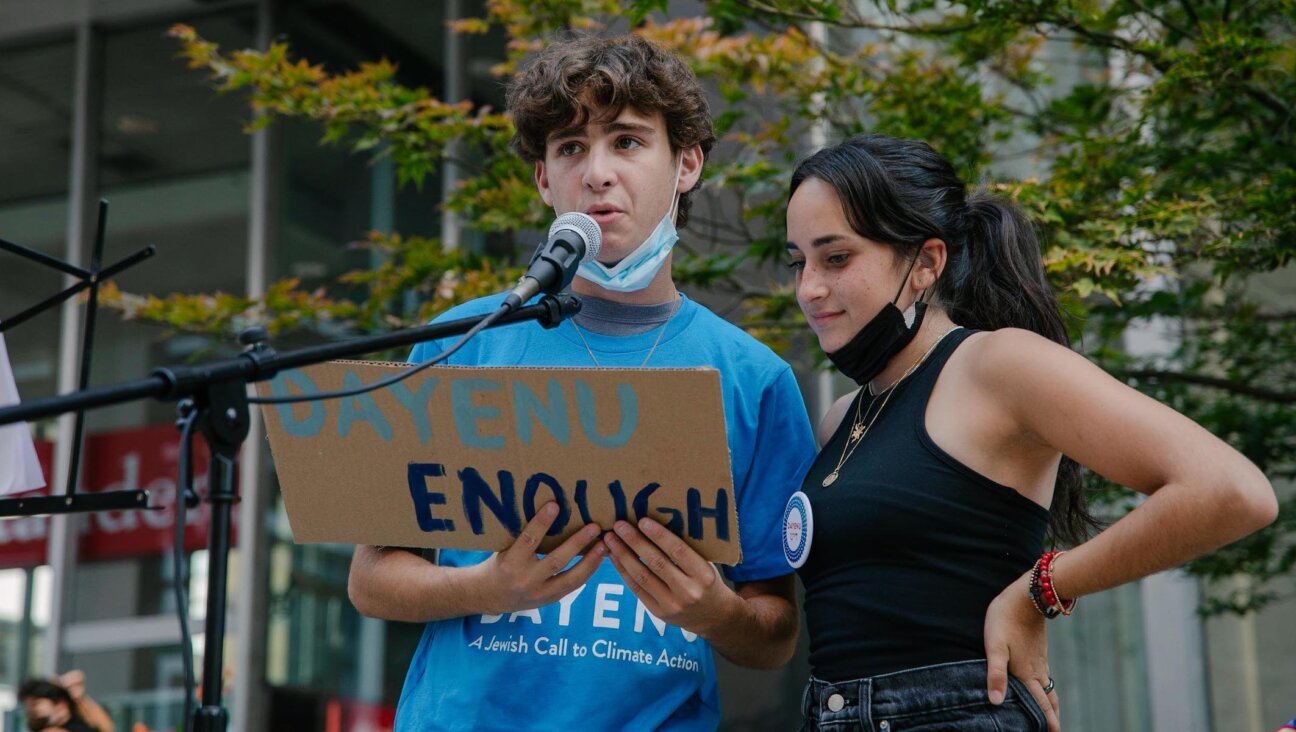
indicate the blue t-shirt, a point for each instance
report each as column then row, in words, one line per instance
column 598, row 660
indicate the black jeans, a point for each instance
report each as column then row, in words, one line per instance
column 948, row 696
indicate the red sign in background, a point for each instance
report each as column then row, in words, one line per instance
column 136, row 459
column 357, row 716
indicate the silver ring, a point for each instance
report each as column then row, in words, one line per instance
column 1049, row 687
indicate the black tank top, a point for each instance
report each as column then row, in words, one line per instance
column 910, row 546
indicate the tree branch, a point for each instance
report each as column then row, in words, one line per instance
column 857, row 22
column 1164, row 20
column 1106, row 40
column 1268, row 395
column 1275, row 317
column 1270, row 101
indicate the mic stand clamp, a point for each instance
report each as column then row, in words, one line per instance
column 554, row 313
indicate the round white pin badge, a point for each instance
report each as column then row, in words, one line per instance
column 798, row 529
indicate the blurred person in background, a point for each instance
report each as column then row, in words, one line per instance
column 61, row 705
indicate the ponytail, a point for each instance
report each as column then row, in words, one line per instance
column 1004, row 287
column 1003, row 284
column 901, row 193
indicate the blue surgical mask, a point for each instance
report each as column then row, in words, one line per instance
column 639, row 267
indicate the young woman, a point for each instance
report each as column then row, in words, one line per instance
column 919, row 532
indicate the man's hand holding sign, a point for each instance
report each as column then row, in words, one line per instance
column 512, row 580
column 519, row 579
column 682, row 588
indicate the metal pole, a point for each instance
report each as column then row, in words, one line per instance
column 23, row 665
column 823, row 380
column 248, row 706
column 81, row 190
column 450, row 229
column 87, row 346
column 220, row 420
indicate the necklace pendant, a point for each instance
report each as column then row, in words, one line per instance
column 832, row 478
column 857, row 433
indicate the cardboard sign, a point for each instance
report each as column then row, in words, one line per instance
column 463, row 457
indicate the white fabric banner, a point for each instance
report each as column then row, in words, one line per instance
column 19, row 469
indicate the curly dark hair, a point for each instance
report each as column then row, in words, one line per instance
column 43, row 689
column 570, row 81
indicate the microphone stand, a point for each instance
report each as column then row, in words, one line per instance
column 219, row 393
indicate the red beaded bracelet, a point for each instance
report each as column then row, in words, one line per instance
column 1044, row 594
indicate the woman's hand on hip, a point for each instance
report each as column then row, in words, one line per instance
column 1017, row 644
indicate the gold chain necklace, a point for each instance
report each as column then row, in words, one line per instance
column 858, row 427
column 660, row 332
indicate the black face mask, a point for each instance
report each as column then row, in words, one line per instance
column 872, row 348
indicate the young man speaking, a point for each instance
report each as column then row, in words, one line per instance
column 617, row 129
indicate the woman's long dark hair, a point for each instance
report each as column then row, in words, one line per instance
column 901, row 193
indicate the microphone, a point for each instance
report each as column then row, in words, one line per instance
column 574, row 238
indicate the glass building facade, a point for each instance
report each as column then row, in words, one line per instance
column 94, row 103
